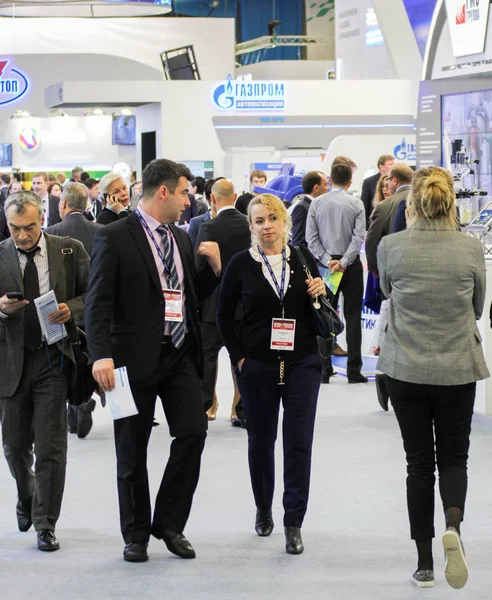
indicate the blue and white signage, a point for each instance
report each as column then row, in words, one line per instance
column 405, row 151
column 249, row 95
column 13, row 83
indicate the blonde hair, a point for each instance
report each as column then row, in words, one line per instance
column 379, row 196
column 433, row 197
column 276, row 206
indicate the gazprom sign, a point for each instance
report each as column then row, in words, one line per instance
column 249, row 95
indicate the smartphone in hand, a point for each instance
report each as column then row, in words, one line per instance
column 14, row 296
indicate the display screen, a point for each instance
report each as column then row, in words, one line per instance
column 124, row 131
column 483, row 217
column 467, row 136
column 5, row 155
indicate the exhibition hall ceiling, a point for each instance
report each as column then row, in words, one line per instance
column 84, row 8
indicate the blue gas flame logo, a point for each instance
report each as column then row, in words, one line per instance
column 224, row 94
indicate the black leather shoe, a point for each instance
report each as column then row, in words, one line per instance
column 293, row 540
column 358, row 379
column 178, row 544
column 84, row 418
column 325, row 376
column 264, row 522
column 47, row 541
column 136, row 552
column 382, row 391
column 23, row 511
column 237, row 422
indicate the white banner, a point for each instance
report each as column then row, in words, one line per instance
column 468, row 22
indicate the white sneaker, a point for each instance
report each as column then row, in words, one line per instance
column 423, row 578
column 456, row 572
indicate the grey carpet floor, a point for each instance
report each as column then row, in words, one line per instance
column 355, row 533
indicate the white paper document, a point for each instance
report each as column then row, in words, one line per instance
column 46, row 305
column 120, row 400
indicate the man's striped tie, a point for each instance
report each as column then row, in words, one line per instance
column 177, row 329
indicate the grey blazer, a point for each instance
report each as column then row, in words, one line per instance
column 75, row 225
column 12, row 327
column 381, row 224
column 436, row 279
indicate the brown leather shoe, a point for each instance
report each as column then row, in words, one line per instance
column 338, row 351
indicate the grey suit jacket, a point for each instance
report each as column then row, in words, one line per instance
column 381, row 224
column 436, row 279
column 12, row 328
column 76, row 225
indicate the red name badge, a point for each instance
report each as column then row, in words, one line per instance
column 174, row 305
column 283, row 334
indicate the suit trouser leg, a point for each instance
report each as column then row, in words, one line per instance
column 49, row 396
column 212, row 344
column 183, row 407
column 299, row 398
column 260, row 393
column 37, row 414
column 352, row 287
column 16, row 414
column 131, row 436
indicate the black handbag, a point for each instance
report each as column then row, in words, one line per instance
column 81, row 383
column 326, row 322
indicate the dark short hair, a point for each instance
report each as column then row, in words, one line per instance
column 162, row 171
column 90, row 183
column 341, row 174
column 310, row 180
column 52, row 185
column 83, row 176
column 199, row 182
column 5, row 177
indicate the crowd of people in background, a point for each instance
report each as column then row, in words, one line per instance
column 162, row 273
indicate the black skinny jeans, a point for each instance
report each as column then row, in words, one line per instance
column 435, row 424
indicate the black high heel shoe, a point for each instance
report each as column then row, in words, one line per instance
column 264, row 522
column 293, row 540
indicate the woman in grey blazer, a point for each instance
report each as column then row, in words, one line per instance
column 432, row 355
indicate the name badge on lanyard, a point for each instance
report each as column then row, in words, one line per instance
column 283, row 330
column 174, row 305
column 283, row 334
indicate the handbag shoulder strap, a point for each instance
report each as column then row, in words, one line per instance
column 302, row 259
column 67, row 251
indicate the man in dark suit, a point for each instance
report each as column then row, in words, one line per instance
column 382, row 219
column 196, row 222
column 92, row 212
column 5, row 180
column 314, row 184
column 142, row 313
column 73, row 202
column 34, row 382
column 230, row 230
column 40, row 185
column 370, row 184
column 4, row 230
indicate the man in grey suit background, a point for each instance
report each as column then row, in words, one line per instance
column 35, row 377
column 382, row 219
column 335, row 231
column 72, row 204
column 75, row 224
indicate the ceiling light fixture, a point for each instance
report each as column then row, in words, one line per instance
column 126, row 112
